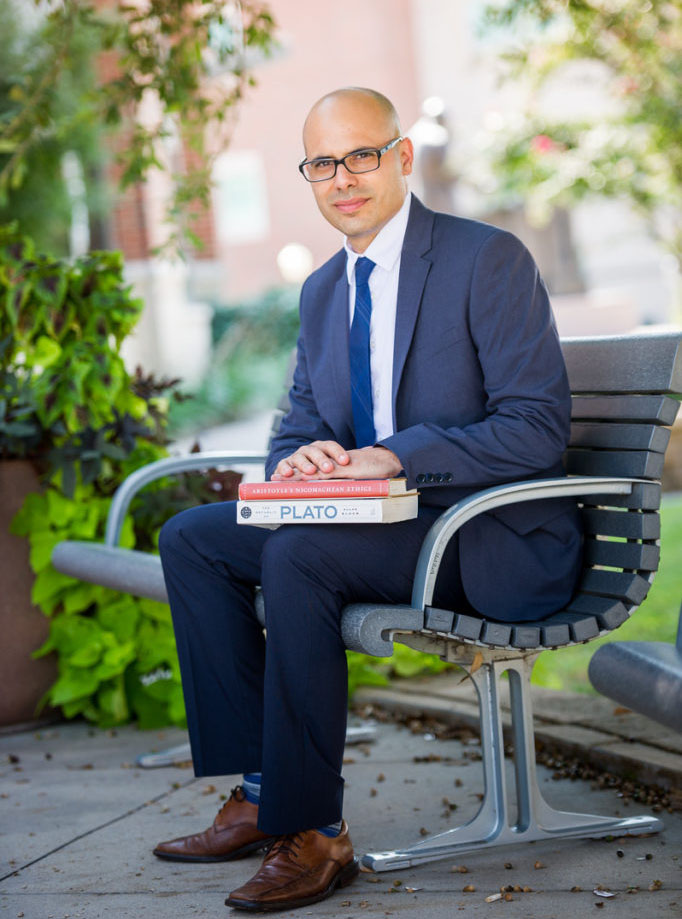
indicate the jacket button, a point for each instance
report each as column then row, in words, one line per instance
column 447, row 477
column 420, row 478
column 428, row 477
column 438, row 477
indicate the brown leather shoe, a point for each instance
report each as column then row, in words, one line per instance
column 233, row 835
column 299, row 869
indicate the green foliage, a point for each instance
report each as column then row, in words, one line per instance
column 73, row 74
column 34, row 192
column 69, row 405
column 633, row 148
column 364, row 670
column 67, row 399
column 656, row 620
column 253, row 343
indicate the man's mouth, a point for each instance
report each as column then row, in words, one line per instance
column 349, row 205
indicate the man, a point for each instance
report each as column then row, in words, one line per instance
column 427, row 349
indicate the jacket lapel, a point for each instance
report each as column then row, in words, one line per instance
column 414, row 268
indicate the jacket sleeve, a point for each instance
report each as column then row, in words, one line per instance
column 302, row 424
column 527, row 398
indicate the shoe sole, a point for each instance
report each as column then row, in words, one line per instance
column 344, row 877
column 231, row 856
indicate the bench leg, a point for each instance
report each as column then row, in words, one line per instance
column 492, row 825
column 361, row 733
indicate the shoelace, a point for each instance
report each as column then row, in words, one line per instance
column 234, row 795
column 291, row 844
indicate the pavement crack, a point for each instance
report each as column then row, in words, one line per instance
column 95, row 829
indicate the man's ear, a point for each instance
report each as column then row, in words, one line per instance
column 406, row 155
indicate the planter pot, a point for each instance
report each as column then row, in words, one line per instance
column 22, row 626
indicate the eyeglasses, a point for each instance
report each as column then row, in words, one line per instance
column 324, row 167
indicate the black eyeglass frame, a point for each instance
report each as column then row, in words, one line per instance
column 378, row 150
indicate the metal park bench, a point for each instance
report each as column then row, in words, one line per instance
column 645, row 676
column 622, row 411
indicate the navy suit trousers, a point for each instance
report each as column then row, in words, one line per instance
column 279, row 706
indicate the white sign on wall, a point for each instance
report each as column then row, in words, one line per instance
column 240, row 197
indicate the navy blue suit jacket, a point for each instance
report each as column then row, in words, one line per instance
column 480, row 397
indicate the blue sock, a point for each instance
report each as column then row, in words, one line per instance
column 332, row 829
column 251, row 786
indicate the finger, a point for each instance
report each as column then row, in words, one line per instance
column 335, row 451
column 318, row 453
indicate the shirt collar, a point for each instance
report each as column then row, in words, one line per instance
column 385, row 248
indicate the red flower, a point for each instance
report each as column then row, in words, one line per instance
column 541, row 143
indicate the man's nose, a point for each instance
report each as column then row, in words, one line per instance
column 344, row 178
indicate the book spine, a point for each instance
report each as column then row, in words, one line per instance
column 365, row 510
column 263, row 491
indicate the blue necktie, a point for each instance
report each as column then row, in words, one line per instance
column 360, row 375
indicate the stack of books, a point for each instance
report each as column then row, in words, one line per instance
column 326, row 501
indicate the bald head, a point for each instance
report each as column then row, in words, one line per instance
column 358, row 98
column 358, row 201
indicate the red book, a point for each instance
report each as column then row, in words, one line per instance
column 323, row 488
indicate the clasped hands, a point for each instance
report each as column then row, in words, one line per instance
column 325, row 459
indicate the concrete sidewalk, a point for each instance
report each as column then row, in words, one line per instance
column 79, row 822
column 593, row 728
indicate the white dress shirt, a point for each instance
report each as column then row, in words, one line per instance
column 384, row 251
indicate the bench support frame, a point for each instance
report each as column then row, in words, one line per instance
column 492, row 825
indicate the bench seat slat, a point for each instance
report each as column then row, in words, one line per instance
column 465, row 626
column 654, row 409
column 621, row 523
column 634, row 463
column 629, row 555
column 609, row 613
column 581, row 626
column 496, row 633
column 622, row 585
column 620, row 436
column 526, row 636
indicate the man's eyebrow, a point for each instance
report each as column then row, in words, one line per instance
column 329, row 156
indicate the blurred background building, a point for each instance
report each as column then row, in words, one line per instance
column 263, row 230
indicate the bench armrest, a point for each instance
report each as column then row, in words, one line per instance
column 172, row 465
column 436, row 540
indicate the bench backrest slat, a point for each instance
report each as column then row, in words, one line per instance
column 642, row 465
column 624, row 364
column 620, row 436
column 654, row 409
column 634, row 556
column 623, row 524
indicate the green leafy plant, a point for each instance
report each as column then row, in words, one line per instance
column 74, row 76
column 70, row 406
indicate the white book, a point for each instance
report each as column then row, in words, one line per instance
column 328, row 510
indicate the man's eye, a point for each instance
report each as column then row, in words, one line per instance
column 363, row 155
column 321, row 165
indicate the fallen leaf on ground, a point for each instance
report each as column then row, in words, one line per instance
column 468, row 889
column 413, row 889
column 493, row 897
column 655, row 885
column 209, row 790
column 602, row 893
